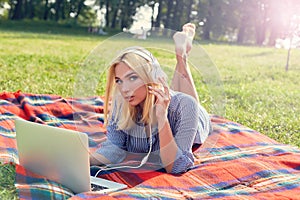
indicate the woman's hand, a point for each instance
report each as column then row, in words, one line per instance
column 98, row 159
column 162, row 99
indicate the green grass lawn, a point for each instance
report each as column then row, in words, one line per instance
column 259, row 92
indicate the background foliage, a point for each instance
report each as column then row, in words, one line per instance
column 243, row 21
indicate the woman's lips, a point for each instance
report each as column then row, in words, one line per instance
column 129, row 98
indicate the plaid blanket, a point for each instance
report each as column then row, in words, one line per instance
column 235, row 162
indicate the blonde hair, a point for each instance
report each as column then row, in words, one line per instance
column 147, row 68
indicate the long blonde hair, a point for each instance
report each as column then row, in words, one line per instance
column 148, row 69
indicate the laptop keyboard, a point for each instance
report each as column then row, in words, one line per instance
column 95, row 187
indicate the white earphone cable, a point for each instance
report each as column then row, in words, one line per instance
column 143, row 161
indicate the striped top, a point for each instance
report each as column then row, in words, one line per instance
column 189, row 122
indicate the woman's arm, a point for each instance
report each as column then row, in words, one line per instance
column 185, row 124
column 177, row 131
column 167, row 144
column 175, row 148
column 113, row 150
column 168, row 147
column 176, row 145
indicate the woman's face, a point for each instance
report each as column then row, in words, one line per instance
column 131, row 86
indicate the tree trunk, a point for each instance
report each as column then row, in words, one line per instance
column 206, row 8
column 17, row 13
column 242, row 29
column 46, row 10
column 158, row 17
column 206, row 31
column 168, row 21
column 289, row 52
column 152, row 16
column 169, row 18
column 126, row 13
column 114, row 18
column 273, row 36
column 57, row 9
column 207, row 26
column 62, row 11
column 260, row 28
column 80, row 6
column 32, row 10
column 189, row 10
column 26, row 9
column 176, row 21
column 241, row 35
column 260, row 33
column 107, row 21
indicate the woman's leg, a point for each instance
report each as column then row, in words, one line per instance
column 182, row 79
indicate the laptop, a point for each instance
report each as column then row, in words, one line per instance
column 60, row 155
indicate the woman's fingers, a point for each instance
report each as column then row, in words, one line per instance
column 165, row 86
column 162, row 101
column 156, row 91
column 161, row 93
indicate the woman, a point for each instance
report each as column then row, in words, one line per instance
column 147, row 117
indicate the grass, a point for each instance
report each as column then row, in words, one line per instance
column 7, row 180
column 259, row 92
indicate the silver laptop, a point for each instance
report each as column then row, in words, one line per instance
column 60, row 155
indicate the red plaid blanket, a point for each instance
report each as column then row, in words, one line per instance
column 236, row 162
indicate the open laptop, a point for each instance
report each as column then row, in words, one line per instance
column 60, row 155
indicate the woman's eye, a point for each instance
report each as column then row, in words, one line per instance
column 118, row 81
column 133, row 78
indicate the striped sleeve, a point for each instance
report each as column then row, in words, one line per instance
column 184, row 121
column 114, row 148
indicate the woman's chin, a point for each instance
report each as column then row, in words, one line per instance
column 133, row 104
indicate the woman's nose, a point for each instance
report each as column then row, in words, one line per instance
column 125, row 87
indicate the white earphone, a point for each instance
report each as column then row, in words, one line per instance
column 156, row 70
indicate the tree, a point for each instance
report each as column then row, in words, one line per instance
column 255, row 21
column 276, row 23
column 178, row 15
column 244, row 14
column 46, row 10
column 189, row 9
column 262, row 7
column 17, row 12
column 210, row 11
column 168, row 19
column 57, row 8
